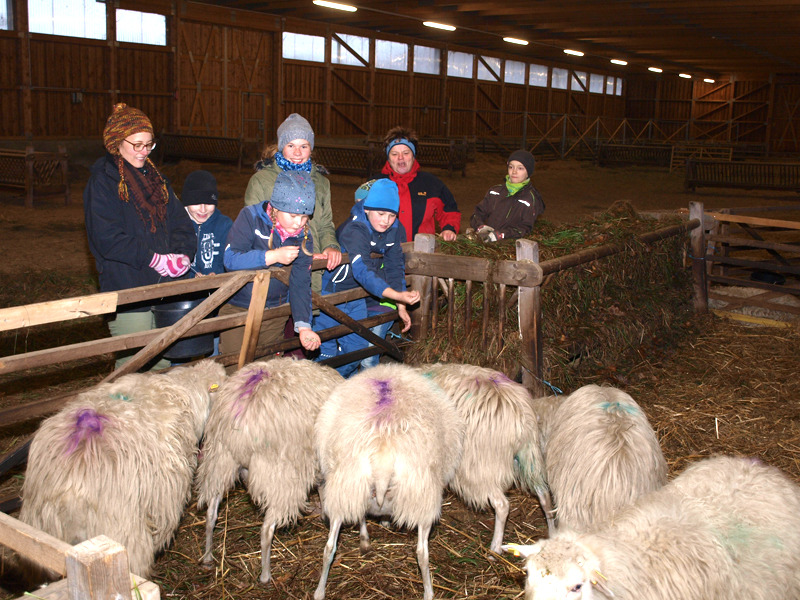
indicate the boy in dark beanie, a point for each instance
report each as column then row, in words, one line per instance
column 200, row 197
column 509, row 210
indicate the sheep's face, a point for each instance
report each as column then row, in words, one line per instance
column 557, row 570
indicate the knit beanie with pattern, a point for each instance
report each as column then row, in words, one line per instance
column 200, row 187
column 293, row 193
column 294, row 127
column 383, row 195
column 123, row 122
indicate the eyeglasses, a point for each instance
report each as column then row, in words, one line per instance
column 139, row 146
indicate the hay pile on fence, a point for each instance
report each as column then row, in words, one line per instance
column 595, row 315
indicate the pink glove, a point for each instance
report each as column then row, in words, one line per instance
column 170, row 265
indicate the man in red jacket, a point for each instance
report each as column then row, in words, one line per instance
column 425, row 201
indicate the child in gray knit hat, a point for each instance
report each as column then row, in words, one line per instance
column 275, row 233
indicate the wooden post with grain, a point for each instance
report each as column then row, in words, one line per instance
column 530, row 322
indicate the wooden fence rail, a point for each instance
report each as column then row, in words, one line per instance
column 96, row 569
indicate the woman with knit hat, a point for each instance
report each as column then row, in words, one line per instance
column 426, row 203
column 293, row 153
column 138, row 231
column 509, row 210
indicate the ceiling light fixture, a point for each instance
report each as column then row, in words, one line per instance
column 707, row 80
column 436, row 25
column 655, row 69
column 684, row 75
column 511, row 40
column 335, row 5
column 617, row 61
column 573, row 52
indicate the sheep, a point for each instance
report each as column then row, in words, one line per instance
column 727, row 528
column 388, row 442
column 119, row 460
column 501, row 441
column 601, row 455
column 261, row 429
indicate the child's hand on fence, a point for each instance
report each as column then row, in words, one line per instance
column 332, row 255
column 308, row 339
column 284, row 255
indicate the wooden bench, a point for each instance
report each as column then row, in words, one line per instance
column 742, row 175
column 450, row 155
column 198, row 147
column 38, row 173
column 633, row 154
column 364, row 161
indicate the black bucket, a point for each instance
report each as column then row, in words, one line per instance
column 192, row 347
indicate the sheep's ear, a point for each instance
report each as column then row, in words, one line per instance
column 520, row 550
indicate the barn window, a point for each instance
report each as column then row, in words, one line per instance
column 459, row 64
column 595, row 83
column 298, row 46
column 538, row 76
column 5, row 14
column 610, row 81
column 490, row 71
column 559, row 78
column 83, row 18
column 578, row 81
column 391, row 55
column 619, row 86
column 515, row 71
column 355, row 53
column 427, row 60
column 141, row 27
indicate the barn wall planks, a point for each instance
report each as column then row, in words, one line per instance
column 222, row 74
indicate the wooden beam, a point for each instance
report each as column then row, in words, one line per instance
column 57, row 310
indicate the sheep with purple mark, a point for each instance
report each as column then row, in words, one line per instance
column 726, row 528
column 261, row 430
column 119, row 460
column 501, row 441
column 601, row 454
column 389, row 442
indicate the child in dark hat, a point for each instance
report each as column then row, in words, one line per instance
column 275, row 233
column 509, row 210
column 373, row 228
column 200, row 197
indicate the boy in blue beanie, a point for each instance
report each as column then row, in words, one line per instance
column 372, row 228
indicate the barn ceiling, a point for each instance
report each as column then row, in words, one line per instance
column 705, row 38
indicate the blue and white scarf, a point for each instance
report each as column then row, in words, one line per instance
column 286, row 165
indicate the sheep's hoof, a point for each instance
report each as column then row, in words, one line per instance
column 207, row 564
column 265, row 577
column 365, row 548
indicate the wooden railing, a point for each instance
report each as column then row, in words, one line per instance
column 96, row 569
column 742, row 175
column 200, row 147
column 38, row 173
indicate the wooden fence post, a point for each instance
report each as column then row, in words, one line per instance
column 421, row 316
column 98, row 568
column 698, row 245
column 255, row 315
column 530, row 322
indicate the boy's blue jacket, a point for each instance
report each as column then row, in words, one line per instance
column 358, row 238
column 246, row 248
column 211, row 239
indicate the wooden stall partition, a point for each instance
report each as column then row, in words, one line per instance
column 96, row 569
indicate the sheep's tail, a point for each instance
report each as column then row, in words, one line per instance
column 382, row 470
column 88, row 424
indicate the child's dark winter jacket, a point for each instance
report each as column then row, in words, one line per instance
column 246, row 248
column 357, row 237
column 211, row 239
column 511, row 216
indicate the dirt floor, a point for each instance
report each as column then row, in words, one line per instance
column 718, row 387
